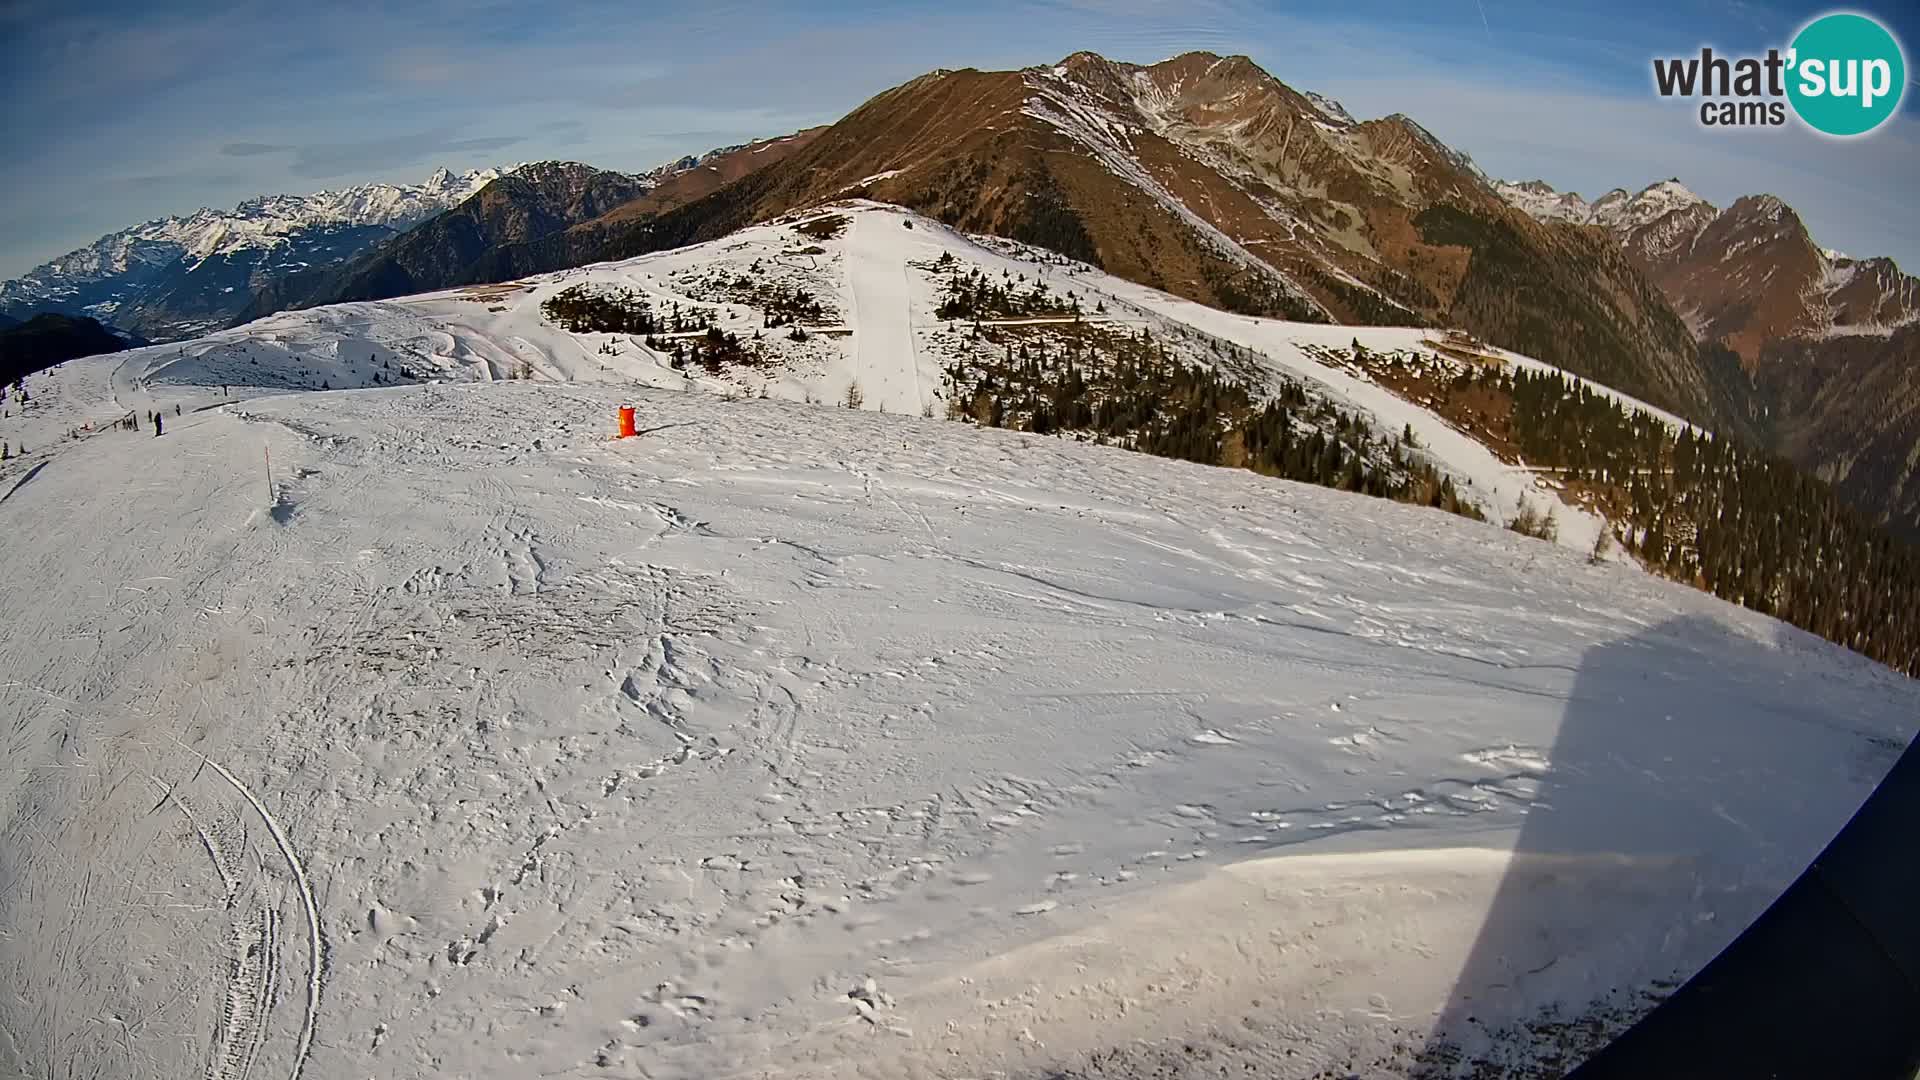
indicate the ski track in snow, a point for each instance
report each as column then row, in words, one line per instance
column 789, row 742
column 304, row 1045
column 885, row 358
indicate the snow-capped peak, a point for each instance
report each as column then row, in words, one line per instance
column 1617, row 210
column 1539, row 200
column 1331, row 109
column 264, row 221
column 1654, row 202
column 121, row 269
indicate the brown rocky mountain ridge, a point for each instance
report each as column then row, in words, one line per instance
column 1207, row 177
column 1829, row 345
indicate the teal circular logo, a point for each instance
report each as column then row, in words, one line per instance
column 1846, row 74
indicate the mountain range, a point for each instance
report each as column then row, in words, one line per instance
column 180, row 276
column 177, row 276
column 1206, row 177
column 1826, row 346
column 1209, row 178
column 51, row 338
column 529, row 204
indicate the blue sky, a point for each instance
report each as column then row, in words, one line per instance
column 119, row 112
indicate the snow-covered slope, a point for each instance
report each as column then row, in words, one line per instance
column 879, row 287
column 428, row 731
column 182, row 275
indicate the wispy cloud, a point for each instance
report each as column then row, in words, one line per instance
column 170, row 182
column 420, row 64
column 253, row 149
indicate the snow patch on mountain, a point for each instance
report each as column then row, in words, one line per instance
column 1618, row 210
column 1332, row 109
column 1540, row 201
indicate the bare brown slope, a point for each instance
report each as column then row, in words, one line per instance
column 1751, row 275
column 1848, row 409
column 1746, row 278
column 959, row 146
column 709, row 175
column 1385, row 204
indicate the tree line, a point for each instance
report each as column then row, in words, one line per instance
column 1745, row 525
column 1127, row 390
column 579, row 309
column 971, row 294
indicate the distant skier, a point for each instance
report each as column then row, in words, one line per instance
column 156, row 425
column 176, row 409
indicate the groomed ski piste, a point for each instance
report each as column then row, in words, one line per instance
column 426, row 730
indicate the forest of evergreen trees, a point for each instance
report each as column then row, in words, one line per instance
column 968, row 293
column 783, row 304
column 1127, row 390
column 687, row 335
column 1745, row 526
column 1246, row 291
column 579, row 309
column 714, row 350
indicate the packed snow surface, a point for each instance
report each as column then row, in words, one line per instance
column 428, row 731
